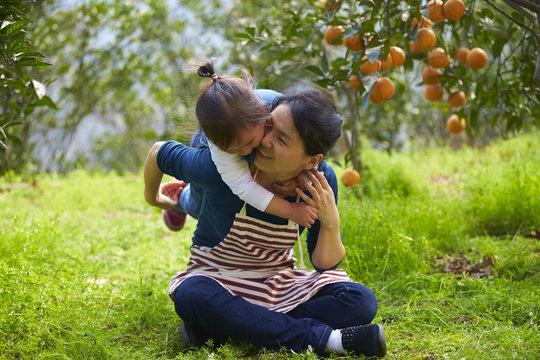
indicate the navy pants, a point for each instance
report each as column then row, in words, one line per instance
column 202, row 302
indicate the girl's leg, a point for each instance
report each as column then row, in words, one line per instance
column 202, row 301
column 339, row 305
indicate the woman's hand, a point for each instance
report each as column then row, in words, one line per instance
column 322, row 197
column 168, row 195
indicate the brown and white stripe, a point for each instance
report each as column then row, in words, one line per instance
column 255, row 261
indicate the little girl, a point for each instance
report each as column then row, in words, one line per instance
column 233, row 118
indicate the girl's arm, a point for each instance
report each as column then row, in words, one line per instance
column 329, row 250
column 235, row 173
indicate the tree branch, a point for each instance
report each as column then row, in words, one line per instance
column 528, row 15
column 514, row 19
column 528, row 5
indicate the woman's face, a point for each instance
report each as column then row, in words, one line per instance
column 281, row 151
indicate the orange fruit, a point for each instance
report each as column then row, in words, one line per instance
column 382, row 90
column 327, row 3
column 454, row 124
column 413, row 47
column 433, row 92
column 454, row 9
column 387, row 64
column 457, row 98
column 477, row 58
column 398, row 56
column 332, row 32
column 431, row 75
column 425, row 22
column 370, row 67
column 426, row 39
column 355, row 82
column 350, row 177
column 354, row 43
column 435, row 8
column 461, row 55
column 438, row 58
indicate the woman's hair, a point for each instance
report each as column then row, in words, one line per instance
column 315, row 118
column 227, row 105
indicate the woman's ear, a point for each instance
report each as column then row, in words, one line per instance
column 313, row 161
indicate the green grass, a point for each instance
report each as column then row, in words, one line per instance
column 85, row 264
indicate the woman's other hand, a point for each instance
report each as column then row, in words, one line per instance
column 322, row 197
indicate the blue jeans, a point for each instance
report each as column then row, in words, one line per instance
column 202, row 302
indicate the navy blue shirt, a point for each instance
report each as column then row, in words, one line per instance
column 219, row 205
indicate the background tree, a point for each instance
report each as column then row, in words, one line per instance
column 123, row 80
column 501, row 98
column 21, row 90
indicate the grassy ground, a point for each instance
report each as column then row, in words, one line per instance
column 445, row 239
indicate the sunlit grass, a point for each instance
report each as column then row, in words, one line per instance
column 85, row 263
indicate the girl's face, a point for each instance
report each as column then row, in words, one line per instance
column 281, row 151
column 246, row 140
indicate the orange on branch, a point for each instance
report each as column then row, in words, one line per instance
column 431, row 75
column 438, row 58
column 454, row 9
column 412, row 47
column 350, row 177
column 382, row 90
column 370, row 67
column 433, row 92
column 398, row 56
column 435, row 8
column 426, row 39
column 354, row 43
column 477, row 58
column 455, row 125
column 387, row 63
column 461, row 55
column 456, row 99
column 327, row 3
column 331, row 34
column 355, row 82
column 425, row 22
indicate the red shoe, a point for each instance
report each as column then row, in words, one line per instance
column 174, row 219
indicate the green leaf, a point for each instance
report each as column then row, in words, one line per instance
column 315, row 69
column 243, row 36
column 289, row 53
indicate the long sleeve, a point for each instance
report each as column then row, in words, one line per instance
column 235, row 173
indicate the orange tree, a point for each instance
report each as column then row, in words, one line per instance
column 497, row 98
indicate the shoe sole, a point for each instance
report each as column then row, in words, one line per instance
column 169, row 224
column 382, row 339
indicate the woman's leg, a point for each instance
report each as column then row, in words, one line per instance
column 202, row 301
column 339, row 305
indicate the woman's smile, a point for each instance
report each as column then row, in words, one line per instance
column 263, row 154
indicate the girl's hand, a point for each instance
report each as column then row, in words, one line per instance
column 322, row 197
column 288, row 188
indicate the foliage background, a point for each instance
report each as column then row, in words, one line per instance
column 122, row 74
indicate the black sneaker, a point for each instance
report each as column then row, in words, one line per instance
column 368, row 340
column 197, row 336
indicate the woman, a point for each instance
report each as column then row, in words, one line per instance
column 241, row 281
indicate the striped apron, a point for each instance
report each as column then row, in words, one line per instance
column 255, row 261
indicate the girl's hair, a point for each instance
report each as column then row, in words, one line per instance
column 315, row 118
column 227, row 105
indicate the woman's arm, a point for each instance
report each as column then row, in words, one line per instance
column 152, row 181
column 236, row 174
column 329, row 250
